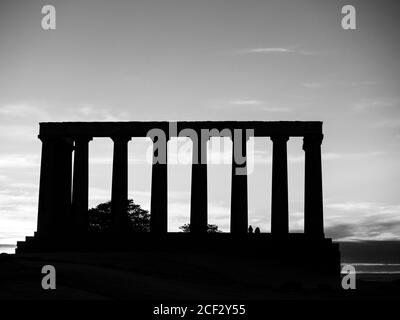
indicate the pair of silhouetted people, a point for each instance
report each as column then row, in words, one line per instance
column 257, row 230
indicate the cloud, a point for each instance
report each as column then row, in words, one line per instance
column 376, row 103
column 25, row 110
column 339, row 231
column 276, row 109
column 18, row 215
column 179, row 214
column 346, row 84
column 363, row 221
column 19, row 133
column 278, row 50
column 350, row 155
column 246, row 102
column 269, row 50
column 23, row 185
column 99, row 195
column 43, row 111
column 255, row 104
column 388, row 123
column 94, row 112
column 19, row 161
column 13, row 230
column 352, row 206
column 178, row 195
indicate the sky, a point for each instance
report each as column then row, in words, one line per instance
column 209, row 60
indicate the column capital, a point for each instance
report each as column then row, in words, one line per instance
column 156, row 138
column 312, row 140
column 120, row 138
column 279, row 138
column 200, row 135
column 43, row 137
column 55, row 138
column 82, row 138
column 204, row 134
column 246, row 138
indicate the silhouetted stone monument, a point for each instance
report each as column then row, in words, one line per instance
column 63, row 214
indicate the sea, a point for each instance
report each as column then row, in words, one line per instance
column 374, row 268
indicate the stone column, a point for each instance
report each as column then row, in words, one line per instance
column 313, row 203
column 46, row 185
column 199, row 202
column 80, row 191
column 54, row 214
column 159, row 188
column 279, row 202
column 120, row 223
column 239, row 198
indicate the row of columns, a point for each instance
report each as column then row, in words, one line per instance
column 56, row 207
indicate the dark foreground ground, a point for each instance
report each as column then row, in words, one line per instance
column 127, row 275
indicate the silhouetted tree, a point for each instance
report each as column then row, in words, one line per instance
column 211, row 228
column 100, row 217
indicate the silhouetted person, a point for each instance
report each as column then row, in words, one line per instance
column 257, row 230
column 250, row 229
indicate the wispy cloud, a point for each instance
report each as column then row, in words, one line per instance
column 254, row 104
column 19, row 161
column 269, row 50
column 376, row 103
column 344, row 84
column 352, row 206
column 276, row 109
column 351, row 155
column 278, row 50
column 23, row 110
column 179, row 214
column 45, row 111
column 18, row 214
column 260, row 105
column 388, row 123
column 245, row 102
column 93, row 112
column 363, row 220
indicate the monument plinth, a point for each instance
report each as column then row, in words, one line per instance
column 63, row 208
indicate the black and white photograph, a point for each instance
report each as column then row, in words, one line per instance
column 199, row 158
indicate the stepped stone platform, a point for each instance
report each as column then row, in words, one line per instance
column 302, row 260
